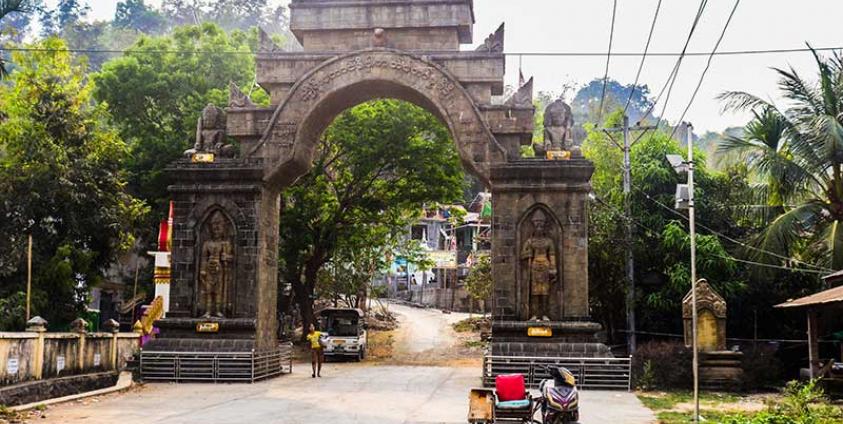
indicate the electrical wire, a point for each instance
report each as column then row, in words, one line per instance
column 730, row 239
column 608, row 60
column 655, row 234
column 679, row 61
column 707, row 65
column 643, row 57
column 526, row 54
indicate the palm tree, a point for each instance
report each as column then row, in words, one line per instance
column 798, row 154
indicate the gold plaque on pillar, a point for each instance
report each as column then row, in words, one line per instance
column 202, row 158
column 558, row 155
column 539, row 332
column 208, row 327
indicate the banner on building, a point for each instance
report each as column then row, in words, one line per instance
column 443, row 258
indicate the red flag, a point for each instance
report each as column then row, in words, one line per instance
column 165, row 232
column 170, row 227
column 163, row 235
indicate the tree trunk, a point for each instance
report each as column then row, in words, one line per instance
column 311, row 271
column 305, row 300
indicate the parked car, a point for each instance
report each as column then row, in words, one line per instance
column 346, row 333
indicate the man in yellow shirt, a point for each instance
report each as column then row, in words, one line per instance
column 317, row 354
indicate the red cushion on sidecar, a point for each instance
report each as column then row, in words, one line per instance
column 510, row 387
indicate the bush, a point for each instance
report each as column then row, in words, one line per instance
column 761, row 367
column 662, row 365
column 803, row 403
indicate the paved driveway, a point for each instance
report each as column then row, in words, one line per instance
column 348, row 394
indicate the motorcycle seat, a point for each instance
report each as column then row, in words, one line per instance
column 513, row 404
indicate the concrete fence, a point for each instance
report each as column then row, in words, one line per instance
column 450, row 299
column 36, row 354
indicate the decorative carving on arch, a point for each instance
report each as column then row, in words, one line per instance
column 539, row 281
column 291, row 138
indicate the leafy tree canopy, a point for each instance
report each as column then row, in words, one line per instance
column 378, row 163
column 156, row 98
column 61, row 180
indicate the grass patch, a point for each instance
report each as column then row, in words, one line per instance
column 7, row 414
column 473, row 324
column 472, row 344
column 688, row 417
column 381, row 345
column 669, row 406
column 660, row 401
column 803, row 403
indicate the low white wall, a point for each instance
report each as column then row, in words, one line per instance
column 29, row 356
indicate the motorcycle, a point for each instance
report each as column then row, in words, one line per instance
column 559, row 400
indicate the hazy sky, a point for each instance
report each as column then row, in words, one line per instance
column 583, row 26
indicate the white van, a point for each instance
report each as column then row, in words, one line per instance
column 346, row 333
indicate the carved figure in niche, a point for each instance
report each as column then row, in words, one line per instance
column 538, row 257
column 558, row 129
column 215, row 267
column 210, row 134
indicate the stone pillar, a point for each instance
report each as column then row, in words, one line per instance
column 560, row 189
column 37, row 325
column 113, row 327
column 233, row 192
column 78, row 326
column 542, row 205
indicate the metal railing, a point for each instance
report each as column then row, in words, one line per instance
column 245, row 367
column 591, row 373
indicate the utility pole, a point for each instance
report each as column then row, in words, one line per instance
column 693, row 231
column 29, row 279
column 627, row 189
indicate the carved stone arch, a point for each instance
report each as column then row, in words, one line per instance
column 289, row 143
column 524, row 229
column 203, row 209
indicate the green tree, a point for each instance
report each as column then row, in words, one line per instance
column 229, row 14
column 377, row 164
column 479, row 283
column 797, row 153
column 14, row 18
column 137, row 15
column 61, row 182
column 661, row 258
column 156, row 98
column 66, row 14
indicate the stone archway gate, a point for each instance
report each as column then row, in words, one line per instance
column 355, row 51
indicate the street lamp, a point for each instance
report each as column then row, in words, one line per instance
column 685, row 200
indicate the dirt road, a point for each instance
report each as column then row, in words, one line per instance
column 353, row 393
column 426, row 336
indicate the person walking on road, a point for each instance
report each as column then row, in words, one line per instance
column 317, row 353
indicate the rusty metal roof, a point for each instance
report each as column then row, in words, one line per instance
column 822, row 298
column 833, row 278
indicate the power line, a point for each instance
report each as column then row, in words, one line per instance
column 527, row 54
column 730, row 239
column 707, row 65
column 703, row 5
column 656, row 234
column 643, row 57
column 682, row 54
column 608, row 60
